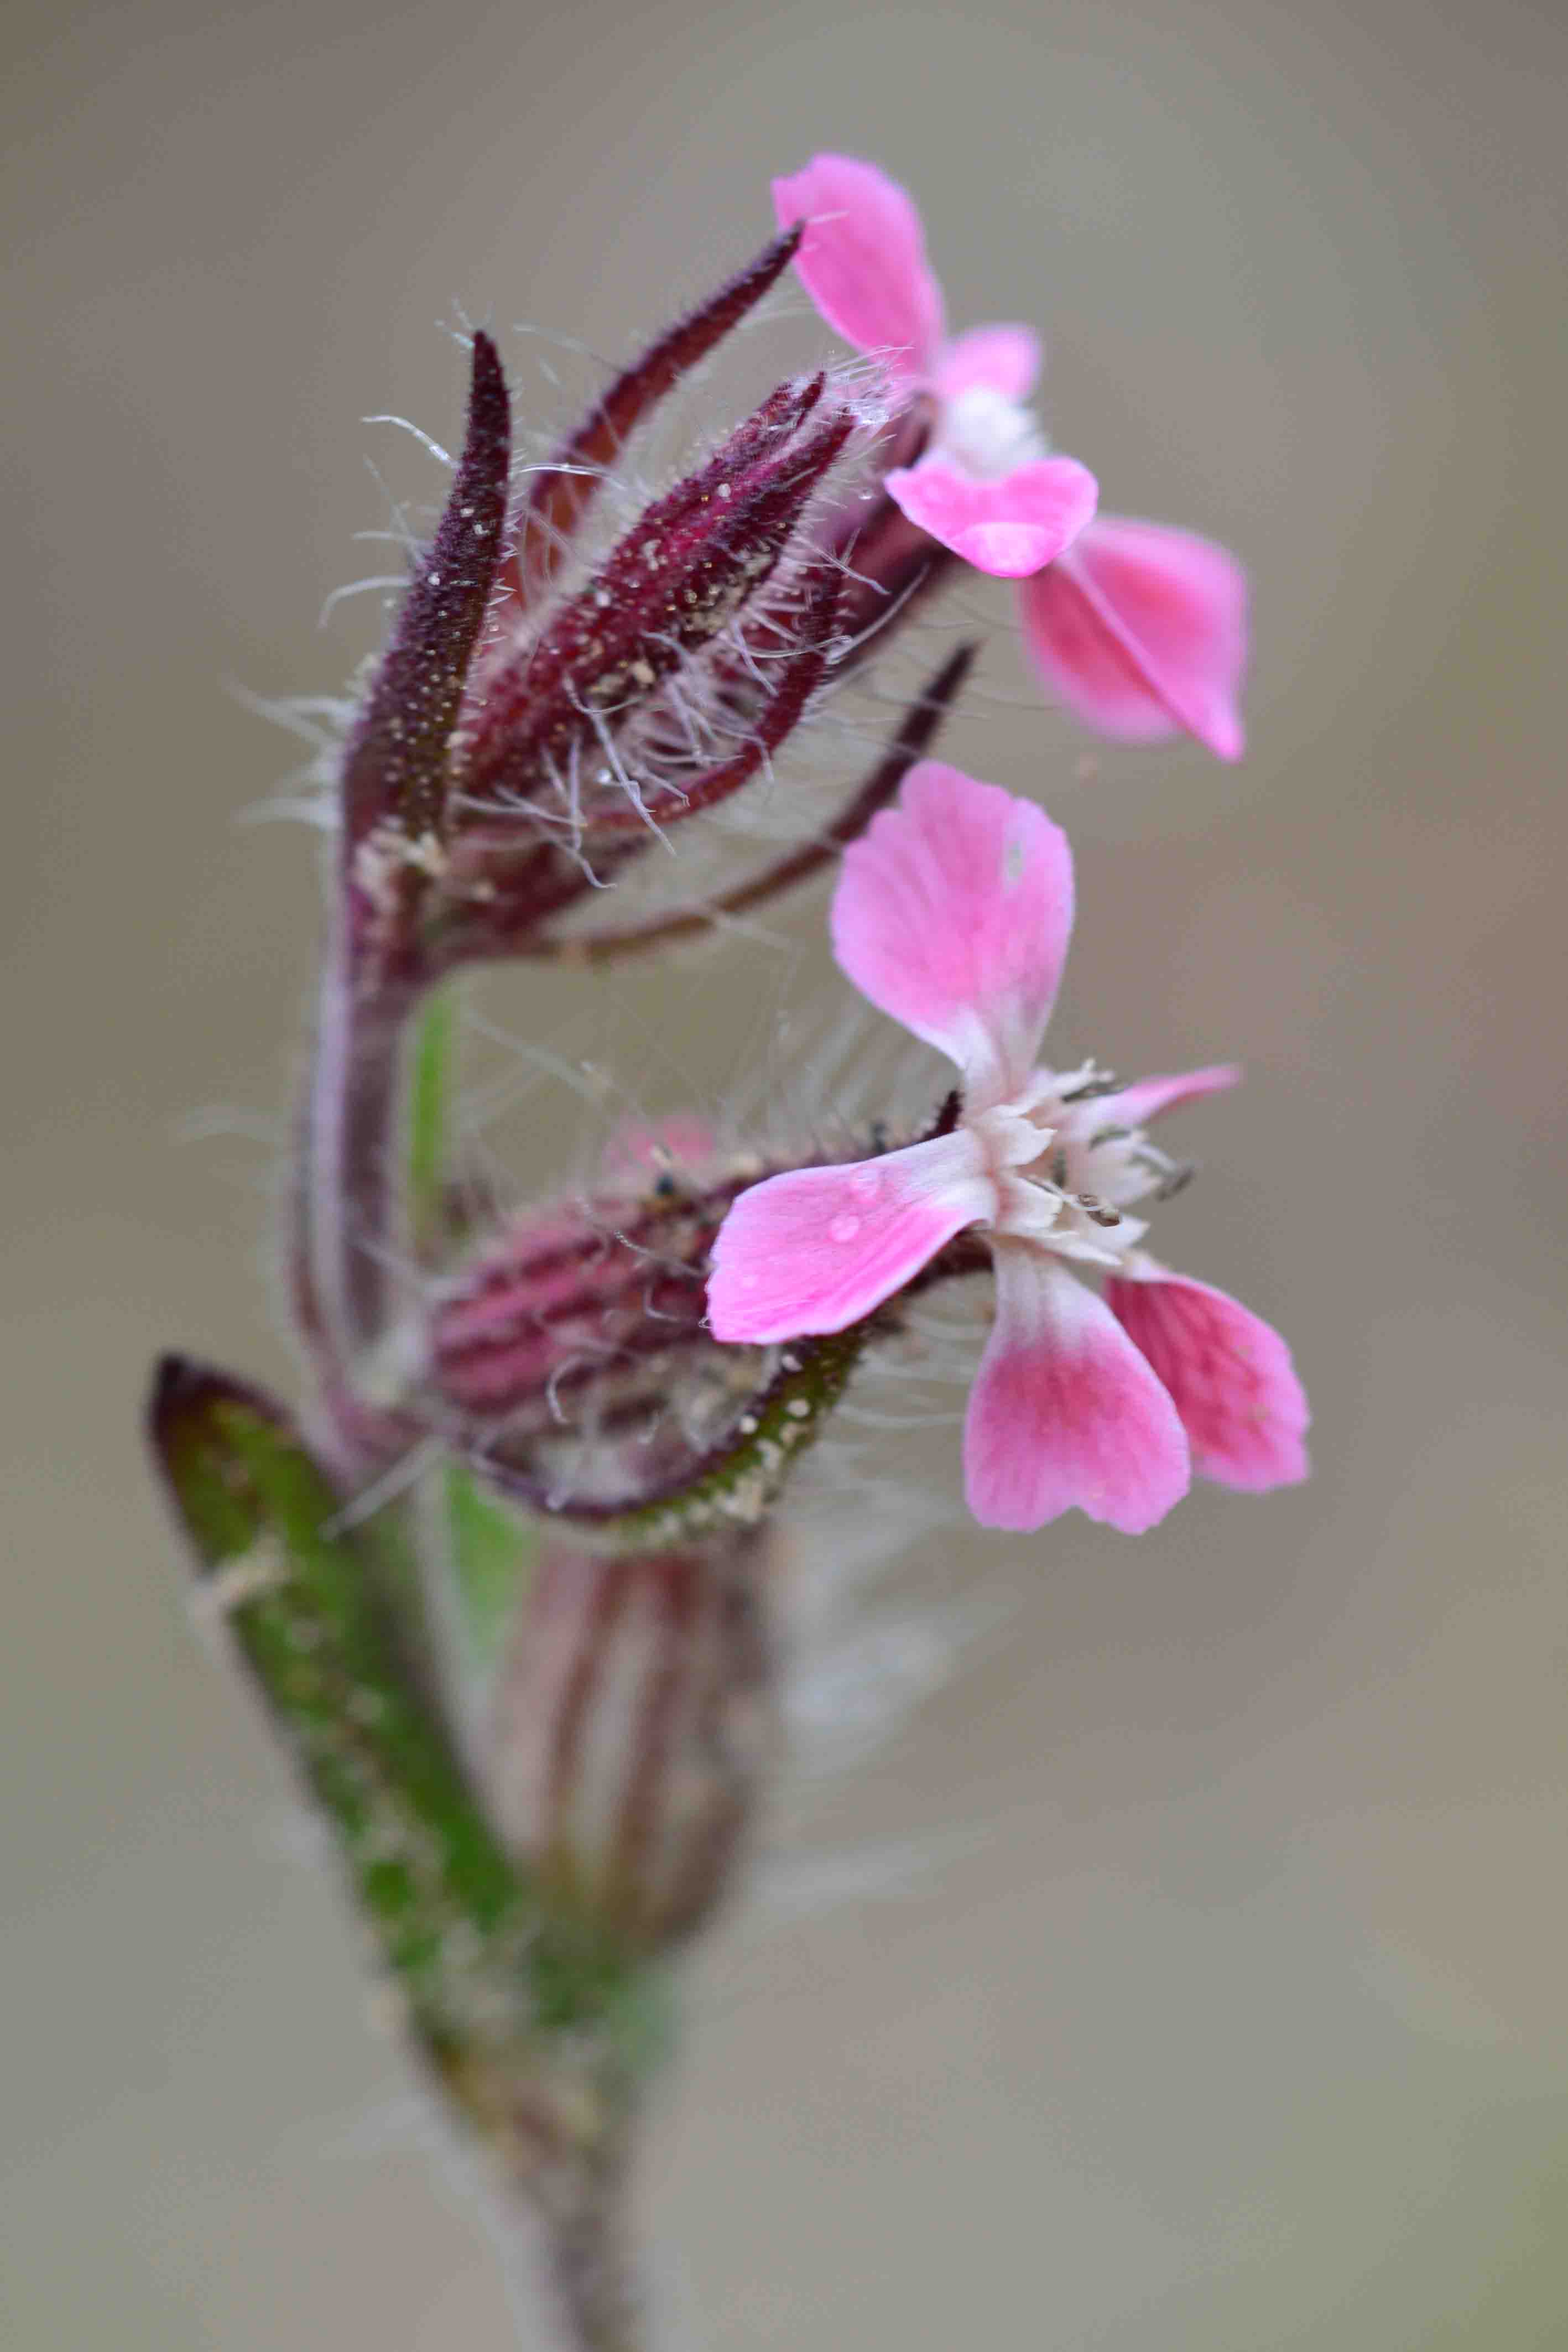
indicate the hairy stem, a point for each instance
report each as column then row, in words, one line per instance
column 347, row 1238
column 577, row 2231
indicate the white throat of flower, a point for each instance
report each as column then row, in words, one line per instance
column 1066, row 1169
column 989, row 434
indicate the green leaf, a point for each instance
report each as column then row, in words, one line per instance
column 299, row 1596
column 485, row 1962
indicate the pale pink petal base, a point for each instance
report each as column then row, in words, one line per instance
column 953, row 913
column 1065, row 1411
column 1230, row 1377
column 644, row 1149
column 862, row 259
column 1007, row 528
column 998, row 359
column 1142, row 632
column 816, row 1248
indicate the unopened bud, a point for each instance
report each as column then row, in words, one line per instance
column 630, row 1717
column 564, row 1297
column 562, row 725
column 575, row 1350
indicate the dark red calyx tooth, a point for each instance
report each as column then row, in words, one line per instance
column 562, row 493
column 396, row 771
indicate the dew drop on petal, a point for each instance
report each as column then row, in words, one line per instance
column 843, row 1229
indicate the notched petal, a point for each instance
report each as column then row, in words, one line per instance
column 862, row 259
column 1008, row 528
column 1229, row 1373
column 1142, row 632
column 1065, row 1412
column 817, row 1248
column 1004, row 358
column 952, row 915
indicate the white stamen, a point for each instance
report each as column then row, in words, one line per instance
column 989, row 434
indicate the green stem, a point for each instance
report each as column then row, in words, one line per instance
column 430, row 1086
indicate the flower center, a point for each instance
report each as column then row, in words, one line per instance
column 989, row 434
column 1068, row 1171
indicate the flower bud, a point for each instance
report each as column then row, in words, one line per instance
column 574, row 1351
column 522, row 744
column 565, row 1296
column 629, row 1720
column 569, row 722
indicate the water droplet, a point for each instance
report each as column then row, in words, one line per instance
column 843, row 1229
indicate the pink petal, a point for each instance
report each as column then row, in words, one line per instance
column 1009, row 526
column 1002, row 359
column 1142, row 632
column 1064, row 1410
column 816, row 1248
column 1149, row 1098
column 953, row 913
column 1228, row 1374
column 862, row 259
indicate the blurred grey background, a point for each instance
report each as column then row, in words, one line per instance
column 1213, row 1997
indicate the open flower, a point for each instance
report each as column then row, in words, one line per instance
column 953, row 914
column 985, row 486
column 1139, row 629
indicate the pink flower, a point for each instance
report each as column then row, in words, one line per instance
column 985, row 486
column 953, row 914
column 1140, row 630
